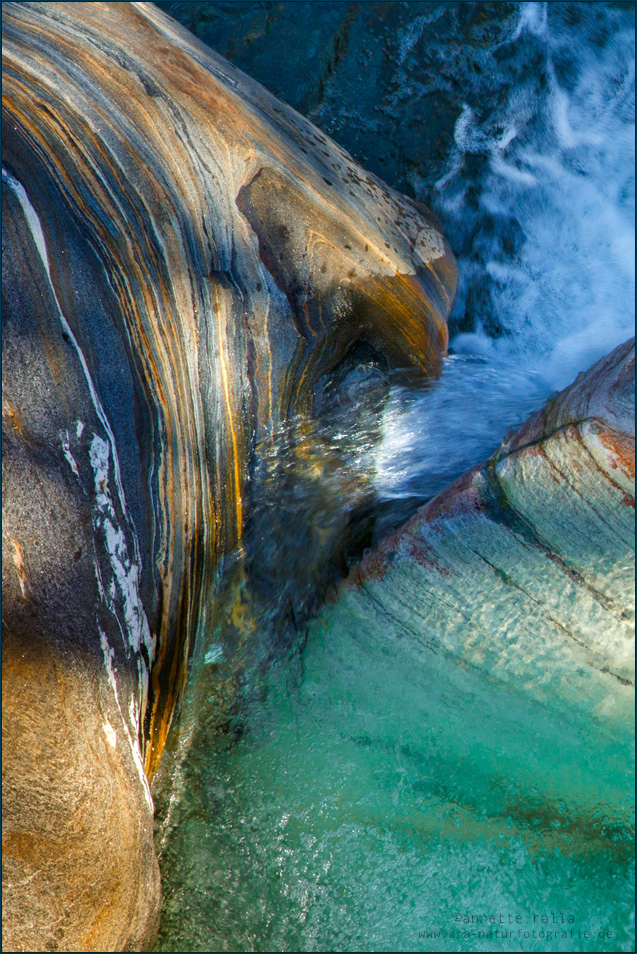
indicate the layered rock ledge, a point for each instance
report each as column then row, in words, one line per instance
column 187, row 263
column 523, row 569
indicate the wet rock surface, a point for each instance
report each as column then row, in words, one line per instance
column 523, row 568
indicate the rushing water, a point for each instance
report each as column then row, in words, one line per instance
column 538, row 202
column 354, row 801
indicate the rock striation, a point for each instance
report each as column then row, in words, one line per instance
column 523, row 569
column 187, row 265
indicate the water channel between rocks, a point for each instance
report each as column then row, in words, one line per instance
column 354, row 798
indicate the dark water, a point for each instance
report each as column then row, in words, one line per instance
column 538, row 201
column 350, row 800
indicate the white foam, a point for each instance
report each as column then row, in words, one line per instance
column 559, row 172
column 533, row 18
column 214, row 655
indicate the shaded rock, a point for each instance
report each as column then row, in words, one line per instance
column 523, row 569
column 188, row 267
column 421, row 61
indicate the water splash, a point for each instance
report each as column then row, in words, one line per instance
column 538, row 200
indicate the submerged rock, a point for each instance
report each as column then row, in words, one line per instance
column 188, row 265
column 456, row 732
column 523, row 569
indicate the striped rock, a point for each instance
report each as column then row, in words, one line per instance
column 522, row 571
column 187, row 263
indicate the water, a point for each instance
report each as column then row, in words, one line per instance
column 350, row 799
column 538, row 202
column 360, row 809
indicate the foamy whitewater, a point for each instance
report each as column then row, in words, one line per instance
column 539, row 203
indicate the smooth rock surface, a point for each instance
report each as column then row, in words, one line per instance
column 523, row 569
column 219, row 298
column 188, row 266
column 312, row 54
column 79, row 865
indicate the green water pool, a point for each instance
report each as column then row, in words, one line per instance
column 376, row 803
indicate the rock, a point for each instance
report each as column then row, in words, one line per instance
column 188, row 266
column 522, row 571
column 79, row 865
column 447, row 86
column 422, row 61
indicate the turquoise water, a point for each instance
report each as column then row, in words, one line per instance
column 350, row 795
column 370, row 801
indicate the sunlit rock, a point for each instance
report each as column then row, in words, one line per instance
column 523, row 569
column 188, row 266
